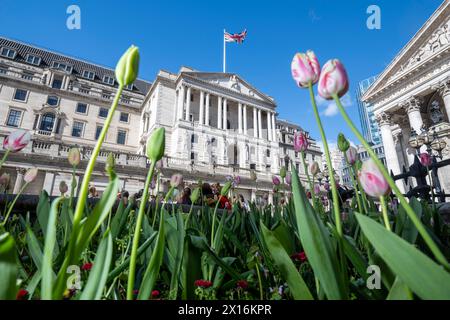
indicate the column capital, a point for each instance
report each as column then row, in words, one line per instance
column 384, row 119
column 443, row 88
column 413, row 104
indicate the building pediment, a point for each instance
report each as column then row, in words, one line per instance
column 231, row 82
column 429, row 44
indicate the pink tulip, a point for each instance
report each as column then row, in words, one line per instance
column 16, row 140
column 425, row 159
column 288, row 179
column 176, row 180
column 300, row 142
column 305, row 69
column 316, row 189
column 333, row 80
column 314, row 168
column 352, row 155
column 276, row 181
column 30, row 175
column 372, row 181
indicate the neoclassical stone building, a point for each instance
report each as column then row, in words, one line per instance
column 217, row 124
column 412, row 95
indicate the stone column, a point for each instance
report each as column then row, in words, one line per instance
column 180, row 107
column 253, row 196
column 201, row 114
column 225, row 114
column 260, row 135
column 255, row 123
column 49, row 182
column 444, row 90
column 412, row 108
column 384, row 123
column 219, row 112
column 240, row 118
column 188, row 104
column 19, row 180
column 269, row 126
column 207, row 110
column 245, row 120
column 274, row 128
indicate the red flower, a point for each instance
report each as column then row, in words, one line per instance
column 242, row 284
column 155, row 294
column 308, row 195
column 299, row 257
column 135, row 292
column 21, row 295
column 86, row 266
column 203, row 284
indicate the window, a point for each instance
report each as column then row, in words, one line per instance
column 252, row 166
column 27, row 76
column 8, row 53
column 121, row 136
column 103, row 113
column 62, row 66
column 3, row 69
column 13, row 118
column 129, row 87
column 53, row 101
column 88, row 75
column 77, row 129
column 20, row 95
column 33, row 59
column 57, row 82
column 192, row 155
column 268, row 152
column 124, row 117
column 98, row 130
column 81, row 108
column 47, row 122
column 108, row 80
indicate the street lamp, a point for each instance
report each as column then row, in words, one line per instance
column 413, row 141
column 438, row 144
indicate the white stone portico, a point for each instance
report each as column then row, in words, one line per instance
column 413, row 94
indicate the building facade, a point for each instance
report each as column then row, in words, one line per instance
column 367, row 118
column 412, row 96
column 217, row 125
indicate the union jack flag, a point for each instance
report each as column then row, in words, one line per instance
column 237, row 37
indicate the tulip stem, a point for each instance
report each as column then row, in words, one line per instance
column 7, row 152
column 334, row 193
column 261, row 292
column 410, row 212
column 358, row 199
column 12, row 205
column 311, row 186
column 385, row 213
column 214, row 221
column 137, row 233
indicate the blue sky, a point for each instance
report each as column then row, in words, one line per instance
column 175, row 33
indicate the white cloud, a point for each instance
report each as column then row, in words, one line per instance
column 331, row 109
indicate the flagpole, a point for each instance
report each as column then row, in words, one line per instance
column 224, row 53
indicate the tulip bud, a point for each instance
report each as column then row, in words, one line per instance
column 63, row 188
column 195, row 195
column 226, row 187
column 74, row 157
column 4, row 179
column 425, row 159
column 352, row 155
column 314, row 168
column 30, row 175
column 110, row 163
column 253, row 176
column 300, row 142
column 17, row 140
column 176, row 180
column 236, row 181
column 128, row 67
column 305, row 69
column 283, row 172
column 372, row 180
column 333, row 80
column 343, row 143
column 156, row 144
column 276, row 181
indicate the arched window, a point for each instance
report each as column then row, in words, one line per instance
column 47, row 122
